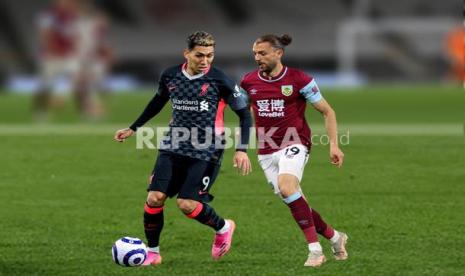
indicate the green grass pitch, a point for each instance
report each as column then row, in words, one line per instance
column 66, row 197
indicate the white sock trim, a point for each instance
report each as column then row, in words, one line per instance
column 225, row 228
column 154, row 249
column 335, row 237
column 315, row 246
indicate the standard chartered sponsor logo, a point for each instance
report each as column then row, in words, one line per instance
column 185, row 102
column 189, row 105
column 203, row 105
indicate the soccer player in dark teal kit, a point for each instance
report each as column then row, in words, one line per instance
column 198, row 92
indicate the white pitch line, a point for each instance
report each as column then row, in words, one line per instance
column 352, row 129
column 398, row 129
column 57, row 129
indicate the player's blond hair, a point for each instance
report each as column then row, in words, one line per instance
column 200, row 38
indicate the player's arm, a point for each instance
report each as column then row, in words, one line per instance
column 335, row 153
column 240, row 106
column 237, row 100
column 241, row 160
column 44, row 23
column 312, row 94
column 153, row 108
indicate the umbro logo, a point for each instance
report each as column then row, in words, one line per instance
column 253, row 91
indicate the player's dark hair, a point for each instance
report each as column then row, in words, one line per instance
column 200, row 38
column 277, row 42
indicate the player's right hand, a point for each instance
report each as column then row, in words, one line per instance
column 242, row 163
column 122, row 134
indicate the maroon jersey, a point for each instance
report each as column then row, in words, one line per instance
column 278, row 106
column 60, row 27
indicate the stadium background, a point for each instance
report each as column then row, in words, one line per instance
column 67, row 191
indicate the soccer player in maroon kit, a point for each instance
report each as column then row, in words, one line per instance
column 58, row 54
column 278, row 97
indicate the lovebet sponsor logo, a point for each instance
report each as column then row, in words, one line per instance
column 271, row 108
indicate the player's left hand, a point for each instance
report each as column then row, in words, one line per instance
column 336, row 156
column 242, row 162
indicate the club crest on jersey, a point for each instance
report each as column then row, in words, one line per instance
column 204, row 89
column 287, row 90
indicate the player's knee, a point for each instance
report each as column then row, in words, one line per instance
column 187, row 206
column 288, row 185
column 156, row 198
column 286, row 191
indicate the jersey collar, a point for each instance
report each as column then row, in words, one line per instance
column 273, row 79
column 190, row 77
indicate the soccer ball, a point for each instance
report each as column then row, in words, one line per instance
column 129, row 251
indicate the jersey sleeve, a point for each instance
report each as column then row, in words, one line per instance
column 163, row 86
column 243, row 85
column 235, row 96
column 310, row 91
column 157, row 103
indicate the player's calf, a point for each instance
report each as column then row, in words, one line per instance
column 153, row 225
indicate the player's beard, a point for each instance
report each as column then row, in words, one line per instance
column 266, row 68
